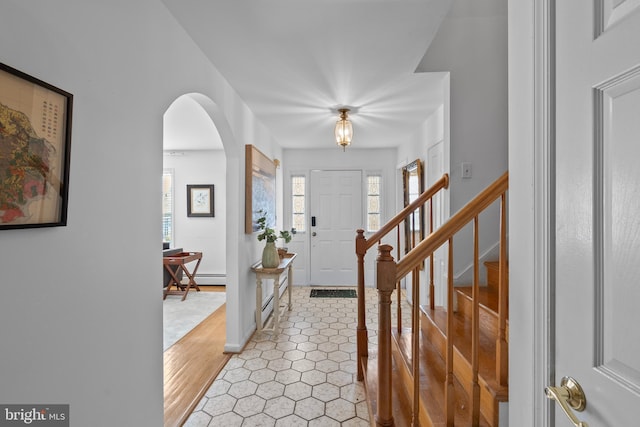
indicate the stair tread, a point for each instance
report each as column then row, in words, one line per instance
column 488, row 297
column 432, row 380
column 494, row 264
column 401, row 404
column 493, row 273
column 487, row 342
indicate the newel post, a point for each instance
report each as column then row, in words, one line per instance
column 362, row 335
column 386, row 282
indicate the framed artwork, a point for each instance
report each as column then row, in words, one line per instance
column 35, row 144
column 200, row 201
column 260, row 185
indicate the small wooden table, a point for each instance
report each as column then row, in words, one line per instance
column 180, row 260
column 286, row 264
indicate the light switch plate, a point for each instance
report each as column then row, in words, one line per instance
column 466, row 169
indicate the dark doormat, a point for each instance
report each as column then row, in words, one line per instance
column 333, row 293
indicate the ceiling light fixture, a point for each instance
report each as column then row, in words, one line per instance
column 344, row 129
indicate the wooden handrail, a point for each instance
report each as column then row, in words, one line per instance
column 442, row 183
column 451, row 227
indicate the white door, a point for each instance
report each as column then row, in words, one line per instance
column 435, row 170
column 598, row 207
column 336, row 214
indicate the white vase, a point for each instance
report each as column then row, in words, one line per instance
column 270, row 258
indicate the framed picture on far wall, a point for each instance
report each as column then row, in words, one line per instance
column 35, row 144
column 200, row 201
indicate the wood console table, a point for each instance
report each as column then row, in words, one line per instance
column 286, row 265
column 179, row 260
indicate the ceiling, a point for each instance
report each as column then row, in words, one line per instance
column 294, row 62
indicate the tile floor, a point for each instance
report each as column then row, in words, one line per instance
column 303, row 376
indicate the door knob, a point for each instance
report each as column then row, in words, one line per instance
column 569, row 395
column 313, row 234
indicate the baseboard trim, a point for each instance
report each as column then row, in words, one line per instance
column 237, row 347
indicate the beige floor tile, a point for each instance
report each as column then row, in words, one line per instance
column 302, row 376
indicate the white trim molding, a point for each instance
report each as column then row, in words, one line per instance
column 531, row 210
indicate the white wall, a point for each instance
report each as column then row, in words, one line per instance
column 417, row 146
column 206, row 235
column 432, row 135
column 471, row 45
column 81, row 318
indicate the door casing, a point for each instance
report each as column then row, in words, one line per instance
column 531, row 205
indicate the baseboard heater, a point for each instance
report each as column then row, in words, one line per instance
column 211, row 279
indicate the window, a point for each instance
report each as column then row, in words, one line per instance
column 373, row 202
column 298, row 218
column 167, row 206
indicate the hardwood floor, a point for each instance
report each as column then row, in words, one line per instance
column 192, row 364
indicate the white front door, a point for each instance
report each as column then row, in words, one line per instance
column 336, row 214
column 598, row 207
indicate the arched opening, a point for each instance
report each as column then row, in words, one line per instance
column 200, row 150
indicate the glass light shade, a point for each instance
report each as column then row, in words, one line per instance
column 344, row 130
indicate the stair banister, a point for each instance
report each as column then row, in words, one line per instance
column 502, row 356
column 363, row 245
column 443, row 234
column 449, row 392
column 475, row 326
column 415, row 346
column 362, row 336
column 398, row 285
column 442, row 183
column 451, row 227
column 432, row 288
column 390, row 272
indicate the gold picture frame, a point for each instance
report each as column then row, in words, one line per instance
column 413, row 186
column 260, row 189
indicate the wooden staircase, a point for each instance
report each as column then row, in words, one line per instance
column 433, row 325
column 461, row 350
column 488, row 300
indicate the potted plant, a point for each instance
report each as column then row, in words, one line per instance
column 270, row 255
column 285, row 235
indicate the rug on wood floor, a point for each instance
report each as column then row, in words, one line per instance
column 179, row 317
column 333, row 293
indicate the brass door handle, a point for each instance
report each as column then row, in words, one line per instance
column 569, row 395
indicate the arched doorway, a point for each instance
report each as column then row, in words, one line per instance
column 200, row 149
